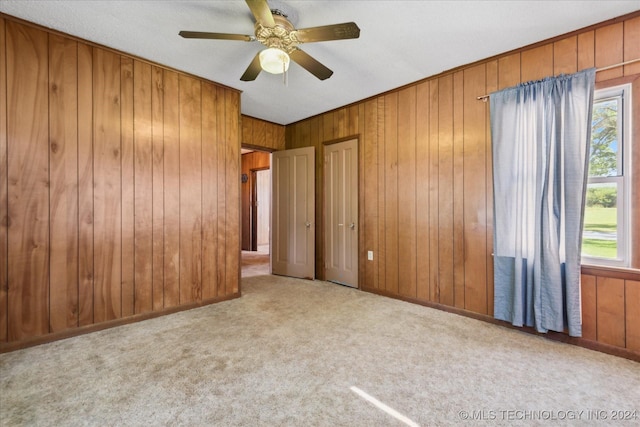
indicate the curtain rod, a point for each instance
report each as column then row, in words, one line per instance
column 484, row 98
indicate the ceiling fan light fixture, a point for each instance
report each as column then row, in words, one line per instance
column 274, row 60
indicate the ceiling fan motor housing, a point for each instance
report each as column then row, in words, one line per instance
column 281, row 36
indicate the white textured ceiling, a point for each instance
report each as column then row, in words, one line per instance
column 400, row 41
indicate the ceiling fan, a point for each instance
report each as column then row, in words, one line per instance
column 273, row 30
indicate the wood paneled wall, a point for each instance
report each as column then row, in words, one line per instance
column 426, row 183
column 119, row 186
column 250, row 161
column 610, row 301
column 262, row 134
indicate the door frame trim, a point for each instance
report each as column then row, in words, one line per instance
column 339, row 140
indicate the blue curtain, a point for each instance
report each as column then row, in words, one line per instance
column 541, row 133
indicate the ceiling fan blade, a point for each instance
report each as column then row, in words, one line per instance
column 252, row 70
column 310, row 64
column 217, row 36
column 347, row 30
column 262, row 12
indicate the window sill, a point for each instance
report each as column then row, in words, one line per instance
column 613, row 272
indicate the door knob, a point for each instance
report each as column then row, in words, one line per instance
column 307, row 224
column 352, row 225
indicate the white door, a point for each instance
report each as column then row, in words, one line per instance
column 341, row 212
column 293, row 213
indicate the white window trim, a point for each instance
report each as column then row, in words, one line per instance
column 624, row 182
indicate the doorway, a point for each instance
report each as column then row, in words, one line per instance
column 256, row 199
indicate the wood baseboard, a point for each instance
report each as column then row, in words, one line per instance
column 69, row 333
column 554, row 336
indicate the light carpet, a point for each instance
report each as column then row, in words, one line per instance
column 290, row 352
column 255, row 263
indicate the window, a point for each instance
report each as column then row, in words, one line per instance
column 606, row 233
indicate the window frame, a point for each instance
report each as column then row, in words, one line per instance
column 623, row 182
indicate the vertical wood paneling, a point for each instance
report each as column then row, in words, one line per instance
column 338, row 123
column 360, row 120
column 290, row 136
column 85, row 185
column 353, row 120
column 269, row 134
column 222, row 197
column 94, row 215
column 28, row 181
column 458, row 189
column 381, row 254
column 278, row 137
column 63, row 175
column 632, row 314
column 190, row 190
column 347, row 122
column 445, row 189
column 127, row 185
column 609, row 50
column 171, row 98
column 537, row 63
column 434, row 250
column 247, row 129
column 407, row 242
column 632, row 45
column 589, row 307
column 157, row 130
column 107, row 185
column 293, row 137
column 4, row 284
column 259, row 133
column 328, row 128
column 232, row 145
column 509, row 71
column 391, row 191
column 209, row 193
column 586, row 50
column 342, row 122
column 474, row 190
column 422, row 190
column 565, row 56
column 143, row 187
column 610, row 311
column 303, row 133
